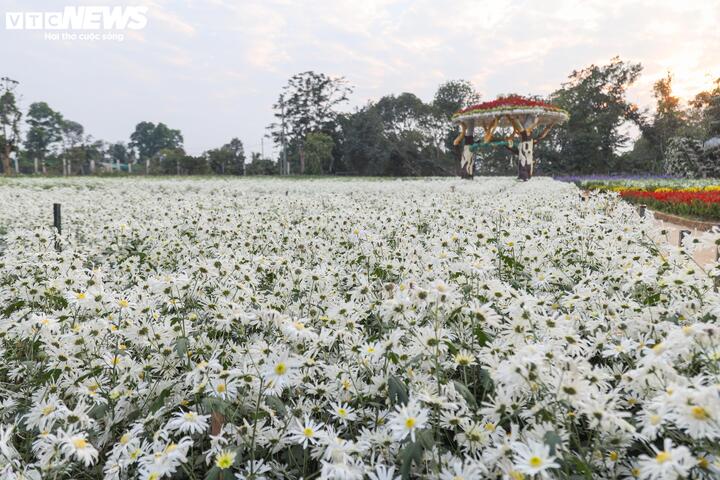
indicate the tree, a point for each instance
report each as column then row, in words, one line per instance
column 318, row 153
column 149, row 139
column 45, row 131
column 669, row 120
column 228, row 159
column 307, row 104
column 218, row 160
column 454, row 95
column 398, row 135
column 261, row 166
column 595, row 98
column 236, row 166
column 119, row 154
column 450, row 97
column 167, row 161
column 365, row 148
column 72, row 136
column 706, row 106
column 9, row 123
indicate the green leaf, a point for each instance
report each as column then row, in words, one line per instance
column 552, row 440
column 214, row 404
column 412, row 451
column 213, row 473
column 98, row 411
column 463, row 390
column 397, row 391
column 425, row 438
column 13, row 307
column 481, row 336
column 181, row 346
column 159, row 402
column 486, row 380
column 276, row 404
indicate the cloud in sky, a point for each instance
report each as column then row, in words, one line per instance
column 213, row 68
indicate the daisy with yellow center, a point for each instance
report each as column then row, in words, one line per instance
column 225, row 459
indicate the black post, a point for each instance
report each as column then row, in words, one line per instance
column 641, row 210
column 57, row 223
column 717, row 259
column 683, row 234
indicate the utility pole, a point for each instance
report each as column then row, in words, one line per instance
column 285, row 167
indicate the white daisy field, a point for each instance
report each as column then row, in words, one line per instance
column 349, row 329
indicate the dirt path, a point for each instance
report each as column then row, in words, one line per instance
column 701, row 256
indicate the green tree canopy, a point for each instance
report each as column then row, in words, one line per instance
column 148, row 139
column 308, row 103
column 596, row 99
column 318, row 153
column 10, row 116
column 44, row 132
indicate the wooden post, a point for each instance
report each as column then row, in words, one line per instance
column 57, row 223
column 217, row 420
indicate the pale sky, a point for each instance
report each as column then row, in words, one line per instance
column 214, row 68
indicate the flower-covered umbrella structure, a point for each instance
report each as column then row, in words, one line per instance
column 515, row 122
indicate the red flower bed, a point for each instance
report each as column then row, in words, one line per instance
column 677, row 196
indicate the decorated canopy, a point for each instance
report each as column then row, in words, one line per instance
column 530, row 120
column 502, row 108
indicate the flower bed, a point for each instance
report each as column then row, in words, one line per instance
column 698, row 199
column 349, row 329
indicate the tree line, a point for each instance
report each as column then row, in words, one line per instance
column 396, row 135
column 53, row 144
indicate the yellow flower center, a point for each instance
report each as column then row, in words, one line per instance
column 80, row 443
column 221, row 388
column 123, row 303
column 280, row 368
column 614, row 456
column 535, row 461
column 48, row 410
column 662, row 457
column 410, row 422
column 699, row 413
column 225, row 460
column 342, row 412
column 308, row 432
column 80, row 296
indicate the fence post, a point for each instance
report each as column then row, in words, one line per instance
column 57, row 223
